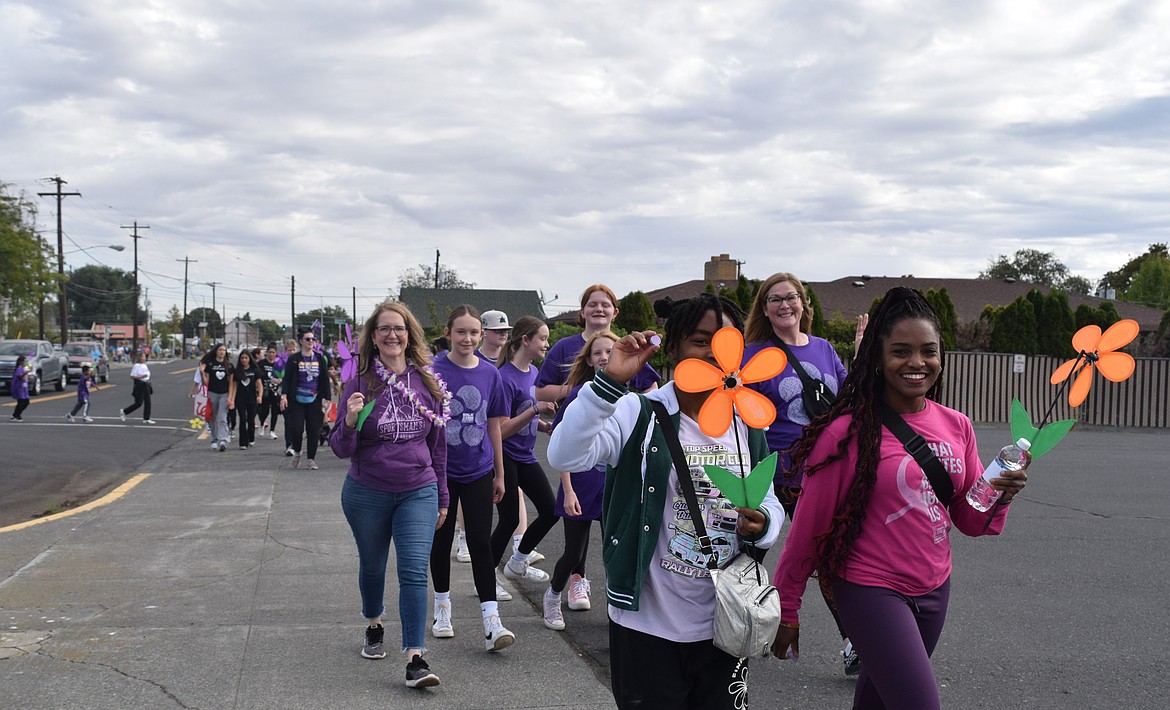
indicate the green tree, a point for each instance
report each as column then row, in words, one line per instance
column 1151, row 284
column 329, row 317
column 26, row 269
column 1078, row 285
column 1015, row 328
column 171, row 325
column 1056, row 326
column 212, row 331
column 423, row 276
column 635, row 312
column 270, row 331
column 101, row 294
column 819, row 324
column 1032, row 265
column 944, row 308
column 1120, row 279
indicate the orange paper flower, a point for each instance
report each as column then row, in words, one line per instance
column 726, row 383
column 1097, row 348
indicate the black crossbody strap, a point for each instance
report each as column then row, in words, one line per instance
column 805, row 378
column 683, row 472
column 943, row 487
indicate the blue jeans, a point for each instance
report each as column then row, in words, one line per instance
column 377, row 517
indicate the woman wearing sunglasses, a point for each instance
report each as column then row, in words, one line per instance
column 306, row 385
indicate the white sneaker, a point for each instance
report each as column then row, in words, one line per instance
column 522, row 570
column 534, row 557
column 149, row 421
column 502, row 595
column 271, row 435
column 69, row 417
column 553, row 617
column 495, row 636
column 461, row 553
column 578, row 593
column 122, row 414
column 215, row 446
column 87, row 419
column 264, row 430
column 442, row 628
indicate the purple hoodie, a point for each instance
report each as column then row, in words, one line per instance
column 399, row 450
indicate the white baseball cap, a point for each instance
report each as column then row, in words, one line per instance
column 495, row 320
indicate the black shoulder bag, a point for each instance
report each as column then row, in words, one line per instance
column 916, row 446
column 815, row 394
column 747, row 606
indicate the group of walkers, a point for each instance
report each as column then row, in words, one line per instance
column 426, row 434
column 86, row 384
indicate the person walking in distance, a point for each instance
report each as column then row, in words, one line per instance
column 85, row 384
column 19, row 387
column 140, row 373
column 269, row 410
column 219, row 378
column 305, row 386
column 248, row 393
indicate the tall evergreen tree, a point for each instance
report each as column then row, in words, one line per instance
column 1015, row 328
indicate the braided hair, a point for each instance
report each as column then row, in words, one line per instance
column 860, row 396
column 682, row 317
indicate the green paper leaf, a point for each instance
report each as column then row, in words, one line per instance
column 1049, row 437
column 1022, row 423
column 364, row 413
column 746, row 492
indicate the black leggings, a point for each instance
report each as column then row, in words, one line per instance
column 246, row 411
column 477, row 526
column 576, row 550
column 21, row 405
column 531, row 478
column 270, row 403
column 141, row 399
column 296, row 417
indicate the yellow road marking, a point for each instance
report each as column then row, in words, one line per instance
column 104, row 500
column 63, row 395
column 183, row 372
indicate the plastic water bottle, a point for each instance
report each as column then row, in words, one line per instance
column 1010, row 458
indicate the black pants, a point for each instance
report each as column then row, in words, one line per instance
column 246, row 412
column 141, row 399
column 650, row 672
column 576, row 550
column 21, row 405
column 297, row 418
column 531, row 478
column 476, row 498
column 270, row 406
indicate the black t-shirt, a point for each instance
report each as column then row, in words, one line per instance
column 247, row 381
column 217, row 376
column 268, row 375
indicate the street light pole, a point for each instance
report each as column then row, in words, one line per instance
column 134, row 335
column 61, row 253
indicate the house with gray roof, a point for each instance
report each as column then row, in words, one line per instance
column 432, row 305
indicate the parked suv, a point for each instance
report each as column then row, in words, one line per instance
column 47, row 364
column 82, row 353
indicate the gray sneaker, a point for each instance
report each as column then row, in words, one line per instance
column 374, row 648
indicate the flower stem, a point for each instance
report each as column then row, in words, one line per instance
column 1072, row 375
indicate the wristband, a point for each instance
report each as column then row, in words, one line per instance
column 790, row 624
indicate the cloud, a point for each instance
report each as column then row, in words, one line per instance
column 552, row 145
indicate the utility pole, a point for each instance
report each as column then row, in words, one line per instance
column 187, row 261
column 436, row 269
column 292, row 304
column 61, row 253
column 134, row 332
column 213, row 284
column 354, row 316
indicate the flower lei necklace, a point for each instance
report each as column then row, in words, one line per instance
column 391, row 379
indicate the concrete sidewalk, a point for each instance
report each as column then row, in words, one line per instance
column 230, row 581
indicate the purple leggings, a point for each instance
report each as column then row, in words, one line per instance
column 894, row 635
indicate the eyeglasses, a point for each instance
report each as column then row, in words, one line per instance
column 791, row 299
column 308, row 338
column 385, row 330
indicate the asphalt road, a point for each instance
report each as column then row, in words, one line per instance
column 49, row 464
column 1067, row 609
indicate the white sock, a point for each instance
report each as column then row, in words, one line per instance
column 516, row 541
column 550, row 594
column 519, row 556
column 442, row 597
column 489, row 608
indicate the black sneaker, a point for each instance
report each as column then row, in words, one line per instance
column 852, row 661
column 419, row 674
column 374, row 647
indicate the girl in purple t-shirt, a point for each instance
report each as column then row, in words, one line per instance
column 20, row 388
column 529, row 340
column 598, row 311
column 475, row 473
column 579, row 497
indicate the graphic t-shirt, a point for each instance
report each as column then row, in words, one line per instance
column 477, row 394
column 559, row 360
column 678, row 597
column 519, row 395
column 268, row 375
column 246, row 383
column 308, row 379
column 217, row 377
column 19, row 384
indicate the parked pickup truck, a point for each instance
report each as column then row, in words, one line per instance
column 49, row 365
column 82, row 353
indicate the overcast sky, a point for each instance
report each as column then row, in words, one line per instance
column 549, row 145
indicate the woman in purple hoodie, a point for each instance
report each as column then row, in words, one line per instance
column 396, row 488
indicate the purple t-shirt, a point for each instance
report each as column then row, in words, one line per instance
column 588, row 485
column 820, row 361
column 477, row 394
column 519, row 395
column 398, row 449
column 83, row 386
column 559, row 360
column 19, row 384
